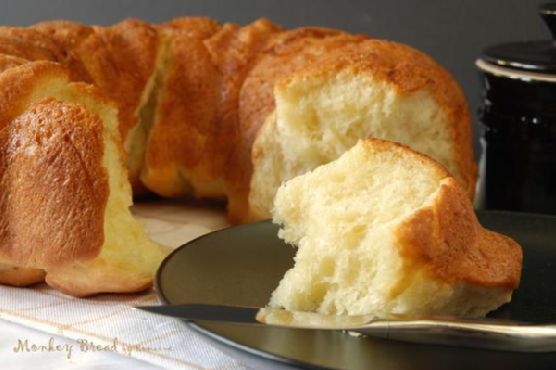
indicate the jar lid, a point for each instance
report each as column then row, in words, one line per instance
column 532, row 56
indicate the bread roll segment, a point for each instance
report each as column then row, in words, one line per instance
column 184, row 112
column 64, row 208
column 195, row 128
column 384, row 230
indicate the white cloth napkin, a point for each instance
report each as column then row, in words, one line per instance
column 109, row 323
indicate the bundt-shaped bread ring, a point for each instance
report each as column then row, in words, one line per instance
column 209, row 110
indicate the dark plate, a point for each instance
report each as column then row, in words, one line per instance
column 242, row 266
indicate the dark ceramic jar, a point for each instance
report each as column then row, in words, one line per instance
column 518, row 115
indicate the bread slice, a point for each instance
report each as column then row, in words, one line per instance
column 384, row 230
column 64, row 204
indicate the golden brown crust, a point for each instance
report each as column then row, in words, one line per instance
column 20, row 82
column 9, row 61
column 109, row 280
column 29, row 44
column 447, row 240
column 186, row 108
column 21, row 276
column 284, row 55
column 120, row 60
column 50, row 41
column 374, row 145
column 68, row 36
column 234, row 50
column 199, row 28
column 54, row 211
column 407, row 70
column 199, row 104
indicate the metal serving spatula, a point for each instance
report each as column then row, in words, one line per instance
column 487, row 333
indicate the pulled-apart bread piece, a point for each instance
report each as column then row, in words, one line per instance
column 64, row 205
column 384, row 230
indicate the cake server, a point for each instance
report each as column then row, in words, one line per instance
column 496, row 334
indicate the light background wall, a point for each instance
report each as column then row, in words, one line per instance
column 452, row 31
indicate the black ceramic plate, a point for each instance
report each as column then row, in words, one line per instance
column 242, row 266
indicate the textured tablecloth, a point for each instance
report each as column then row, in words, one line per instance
column 109, row 323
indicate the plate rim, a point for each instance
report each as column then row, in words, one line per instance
column 198, row 328
column 260, row 354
